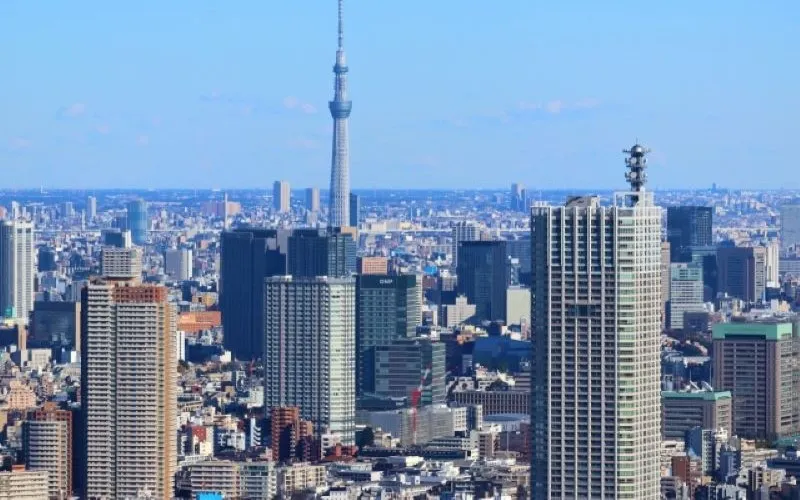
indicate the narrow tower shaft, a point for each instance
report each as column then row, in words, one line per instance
column 340, row 156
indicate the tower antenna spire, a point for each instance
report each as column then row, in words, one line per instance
column 341, row 26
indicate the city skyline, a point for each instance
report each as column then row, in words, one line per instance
column 187, row 109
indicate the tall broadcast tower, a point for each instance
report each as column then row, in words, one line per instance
column 340, row 108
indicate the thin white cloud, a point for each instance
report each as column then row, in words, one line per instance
column 143, row 140
column 73, row 110
column 303, row 143
column 554, row 107
column 308, row 109
column 293, row 103
column 290, row 102
column 103, row 129
column 19, row 143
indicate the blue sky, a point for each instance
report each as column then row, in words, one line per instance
column 446, row 93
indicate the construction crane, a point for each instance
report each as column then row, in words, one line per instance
column 416, row 394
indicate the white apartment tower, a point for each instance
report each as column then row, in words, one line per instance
column 281, row 196
column 17, row 269
column 128, row 377
column 309, row 347
column 596, row 325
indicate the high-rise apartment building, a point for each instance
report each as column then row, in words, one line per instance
column 483, row 277
column 21, row 484
column 464, row 231
column 688, row 227
column 685, row 292
column 790, row 226
column 309, row 345
column 756, row 360
column 91, row 207
column 121, row 263
column 742, row 272
column 292, row 438
column 281, row 196
column 596, row 314
column 388, row 309
column 665, row 278
column 178, row 263
column 312, row 199
column 47, row 446
column 321, row 252
column 138, row 223
column 248, row 255
column 17, row 269
column 355, row 209
column 128, row 394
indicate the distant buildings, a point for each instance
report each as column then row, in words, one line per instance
column 757, row 362
column 248, row 255
column 178, row 263
column 742, row 272
column 138, row 222
column 281, row 196
column 483, row 277
column 688, row 227
column 685, row 292
column 403, row 366
column 310, row 347
column 458, row 313
column 464, row 231
column 17, row 269
column 56, row 325
column 91, row 208
column 312, row 199
column 128, row 371
column 790, row 226
column 372, row 265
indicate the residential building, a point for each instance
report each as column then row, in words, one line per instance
column 458, row 313
column 21, row 484
column 47, row 446
column 128, row 384
column 596, row 316
column 121, row 263
column 309, row 344
column 17, row 269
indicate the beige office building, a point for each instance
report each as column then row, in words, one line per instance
column 128, row 390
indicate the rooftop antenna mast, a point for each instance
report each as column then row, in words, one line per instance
column 636, row 163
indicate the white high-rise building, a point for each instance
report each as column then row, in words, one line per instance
column 178, row 263
column 17, row 269
column 281, row 196
column 128, row 379
column 91, row 207
column 596, row 332
column 685, row 292
column 310, row 350
column 465, row 231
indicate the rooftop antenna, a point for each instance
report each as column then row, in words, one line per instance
column 636, row 163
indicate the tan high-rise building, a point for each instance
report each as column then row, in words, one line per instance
column 281, row 196
column 47, row 445
column 128, row 377
column 756, row 360
column 596, row 334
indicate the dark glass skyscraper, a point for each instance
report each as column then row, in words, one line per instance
column 248, row 256
column 355, row 209
column 314, row 252
column 483, row 277
column 137, row 223
column 688, row 227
